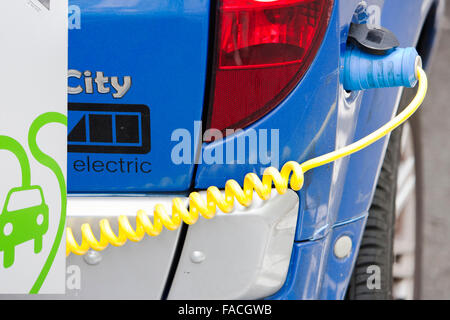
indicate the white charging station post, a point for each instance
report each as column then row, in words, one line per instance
column 33, row 109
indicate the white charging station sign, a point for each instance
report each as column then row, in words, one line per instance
column 33, row 126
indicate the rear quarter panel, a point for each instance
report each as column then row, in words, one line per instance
column 319, row 116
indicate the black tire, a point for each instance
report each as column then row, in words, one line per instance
column 376, row 247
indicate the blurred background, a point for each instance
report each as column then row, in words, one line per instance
column 435, row 120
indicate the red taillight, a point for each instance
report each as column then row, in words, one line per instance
column 263, row 49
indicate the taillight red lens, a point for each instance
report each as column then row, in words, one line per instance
column 263, row 49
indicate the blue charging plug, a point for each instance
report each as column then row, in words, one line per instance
column 367, row 71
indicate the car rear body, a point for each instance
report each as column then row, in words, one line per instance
column 158, row 57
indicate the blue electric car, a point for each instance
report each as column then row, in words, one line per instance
column 167, row 97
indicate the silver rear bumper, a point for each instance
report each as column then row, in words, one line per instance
column 242, row 255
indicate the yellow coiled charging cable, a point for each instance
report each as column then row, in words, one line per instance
column 291, row 174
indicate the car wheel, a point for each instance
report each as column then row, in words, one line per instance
column 388, row 262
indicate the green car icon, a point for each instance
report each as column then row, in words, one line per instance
column 24, row 217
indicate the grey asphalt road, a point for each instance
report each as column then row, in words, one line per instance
column 435, row 119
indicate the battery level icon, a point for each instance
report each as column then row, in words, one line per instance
column 105, row 128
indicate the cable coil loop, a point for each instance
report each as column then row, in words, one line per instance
column 291, row 175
